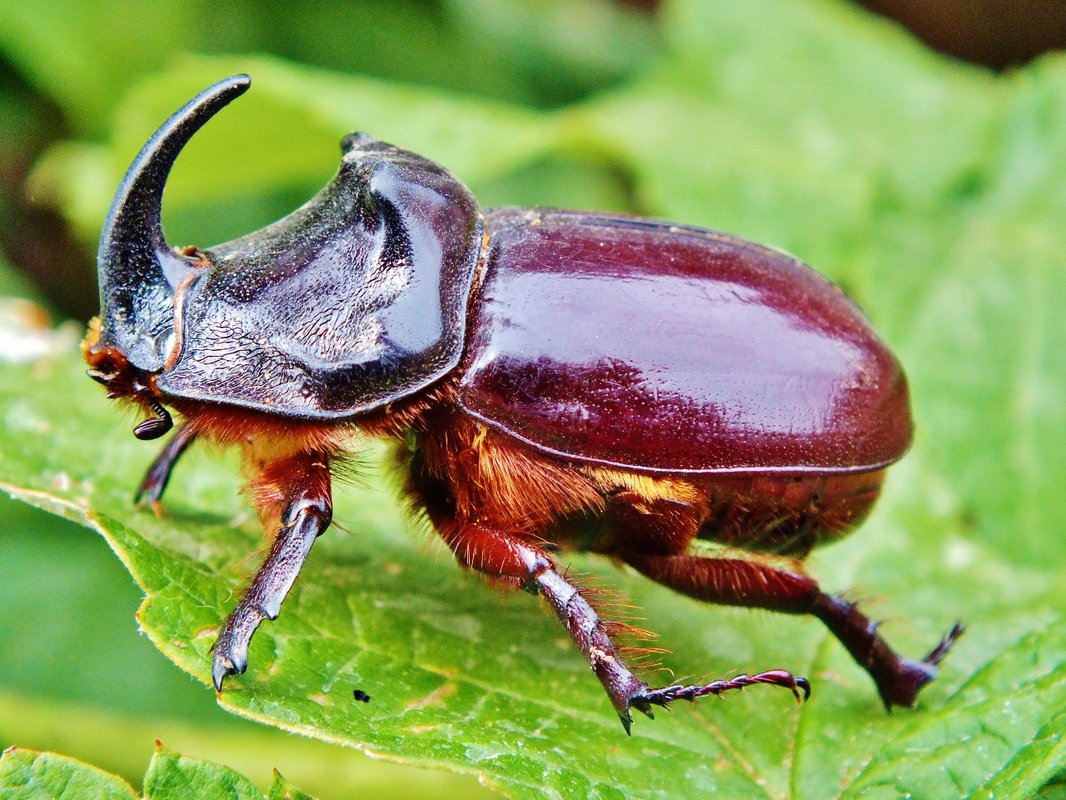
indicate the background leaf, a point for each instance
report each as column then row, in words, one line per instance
column 534, row 52
column 172, row 776
column 30, row 775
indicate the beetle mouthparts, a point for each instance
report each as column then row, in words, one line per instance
column 102, row 377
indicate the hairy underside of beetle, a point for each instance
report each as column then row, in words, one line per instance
column 504, row 508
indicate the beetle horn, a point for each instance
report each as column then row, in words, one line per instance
column 138, row 271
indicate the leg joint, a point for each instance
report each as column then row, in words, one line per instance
column 536, row 565
column 318, row 507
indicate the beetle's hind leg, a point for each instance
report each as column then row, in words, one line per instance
column 749, row 583
column 297, row 491
column 156, row 478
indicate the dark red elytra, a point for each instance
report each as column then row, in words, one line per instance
column 551, row 379
column 685, row 349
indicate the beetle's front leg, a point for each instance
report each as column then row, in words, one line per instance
column 298, row 487
column 156, row 478
column 502, row 555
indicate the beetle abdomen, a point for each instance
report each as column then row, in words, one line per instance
column 787, row 514
column 650, row 346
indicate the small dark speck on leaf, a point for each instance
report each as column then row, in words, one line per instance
column 361, row 696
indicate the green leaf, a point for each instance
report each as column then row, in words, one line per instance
column 185, row 716
column 172, row 776
column 358, row 622
column 31, row 775
column 84, row 54
column 281, row 789
column 60, row 51
column 997, row 725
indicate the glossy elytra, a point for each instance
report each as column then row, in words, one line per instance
column 551, row 379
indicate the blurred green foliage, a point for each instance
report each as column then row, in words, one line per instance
column 30, row 775
column 933, row 192
column 85, row 55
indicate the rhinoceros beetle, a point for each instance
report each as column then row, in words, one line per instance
column 550, row 378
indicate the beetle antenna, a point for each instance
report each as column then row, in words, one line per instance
column 156, row 426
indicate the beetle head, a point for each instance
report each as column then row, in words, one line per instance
column 138, row 272
column 354, row 300
column 123, row 380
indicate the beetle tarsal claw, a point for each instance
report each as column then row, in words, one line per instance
column 231, row 649
column 937, row 654
column 910, row 676
column 222, row 667
column 668, row 694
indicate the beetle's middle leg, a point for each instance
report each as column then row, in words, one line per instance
column 516, row 558
column 296, row 492
column 501, row 555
